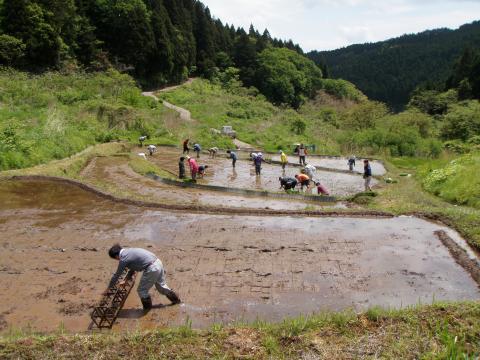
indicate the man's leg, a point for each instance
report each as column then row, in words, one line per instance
column 163, row 288
column 369, row 179
column 146, row 282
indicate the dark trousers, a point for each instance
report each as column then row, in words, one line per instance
column 258, row 169
column 302, row 160
column 233, row 162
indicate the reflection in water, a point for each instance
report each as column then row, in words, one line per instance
column 258, row 182
column 234, row 175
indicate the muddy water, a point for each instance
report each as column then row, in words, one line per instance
column 115, row 170
column 53, row 263
column 337, row 163
column 221, row 173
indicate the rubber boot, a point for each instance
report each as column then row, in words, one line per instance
column 173, row 297
column 147, row 303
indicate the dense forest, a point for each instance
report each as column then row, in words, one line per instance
column 155, row 41
column 390, row 70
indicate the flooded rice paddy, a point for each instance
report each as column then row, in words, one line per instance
column 221, row 173
column 54, row 263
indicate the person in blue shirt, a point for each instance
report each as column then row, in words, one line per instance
column 232, row 155
column 197, row 148
column 367, row 174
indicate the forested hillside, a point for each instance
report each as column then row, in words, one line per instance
column 390, row 70
column 156, row 41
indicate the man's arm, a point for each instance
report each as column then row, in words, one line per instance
column 130, row 274
column 113, row 281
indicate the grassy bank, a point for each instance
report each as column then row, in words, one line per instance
column 456, row 181
column 441, row 331
column 255, row 120
column 53, row 116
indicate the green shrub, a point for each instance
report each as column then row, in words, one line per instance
column 457, row 182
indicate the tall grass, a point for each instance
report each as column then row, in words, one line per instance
column 52, row 116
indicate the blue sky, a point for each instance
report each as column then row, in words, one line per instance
column 331, row 24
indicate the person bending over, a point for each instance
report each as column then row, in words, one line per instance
column 141, row 260
column 287, row 183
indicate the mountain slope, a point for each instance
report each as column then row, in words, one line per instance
column 388, row 71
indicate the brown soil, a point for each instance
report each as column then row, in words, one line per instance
column 225, row 267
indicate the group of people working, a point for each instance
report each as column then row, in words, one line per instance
column 304, row 179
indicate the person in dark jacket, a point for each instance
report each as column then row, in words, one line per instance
column 257, row 161
column 202, row 170
column 181, row 168
column 287, row 183
column 351, row 162
column 367, row 174
column 141, row 260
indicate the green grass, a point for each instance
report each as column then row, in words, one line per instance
column 53, row 116
column 256, row 120
column 440, row 331
column 457, row 181
column 71, row 167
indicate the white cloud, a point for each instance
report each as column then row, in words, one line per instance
column 356, row 34
column 329, row 24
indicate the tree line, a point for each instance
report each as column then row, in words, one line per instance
column 390, row 70
column 156, row 41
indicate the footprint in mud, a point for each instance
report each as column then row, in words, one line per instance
column 412, row 273
column 71, row 287
column 3, row 322
column 70, row 308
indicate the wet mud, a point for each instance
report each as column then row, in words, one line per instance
column 54, row 265
column 337, row 163
column 221, row 173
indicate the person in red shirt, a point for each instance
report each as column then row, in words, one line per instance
column 192, row 163
column 186, row 149
column 303, row 179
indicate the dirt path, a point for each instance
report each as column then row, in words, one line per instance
column 185, row 115
column 243, row 145
column 54, row 265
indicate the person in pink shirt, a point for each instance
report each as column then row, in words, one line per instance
column 193, row 167
column 322, row 190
